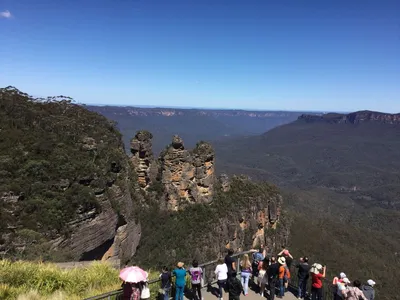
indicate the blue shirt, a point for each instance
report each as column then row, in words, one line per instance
column 180, row 275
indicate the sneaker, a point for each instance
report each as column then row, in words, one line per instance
column 262, row 294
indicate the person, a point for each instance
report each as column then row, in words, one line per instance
column 221, row 271
column 180, row 280
column 353, row 292
column 165, row 277
column 272, row 273
column 230, row 262
column 341, row 286
column 316, row 276
column 303, row 275
column 234, row 286
column 131, row 291
column 257, row 258
column 262, row 278
column 196, row 273
column 284, row 275
column 245, row 273
column 336, row 281
column 368, row 289
column 288, row 257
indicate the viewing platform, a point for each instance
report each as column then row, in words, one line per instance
column 210, row 287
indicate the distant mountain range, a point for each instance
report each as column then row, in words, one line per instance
column 192, row 124
column 353, row 118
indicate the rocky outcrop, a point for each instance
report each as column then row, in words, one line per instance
column 353, row 118
column 113, row 234
column 187, row 176
column 260, row 219
column 142, row 158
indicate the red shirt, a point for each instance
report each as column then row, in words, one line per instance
column 317, row 280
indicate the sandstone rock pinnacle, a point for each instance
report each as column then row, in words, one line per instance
column 142, row 157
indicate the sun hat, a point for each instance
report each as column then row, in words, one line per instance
column 281, row 260
column 342, row 275
column 180, row 264
column 371, row 282
column 346, row 280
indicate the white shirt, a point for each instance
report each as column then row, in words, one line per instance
column 222, row 272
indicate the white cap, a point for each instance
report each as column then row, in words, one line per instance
column 342, row 275
column 346, row 280
column 371, row 282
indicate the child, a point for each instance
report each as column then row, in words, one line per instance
column 235, row 287
column 196, row 274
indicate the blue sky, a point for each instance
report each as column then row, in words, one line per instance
column 295, row 55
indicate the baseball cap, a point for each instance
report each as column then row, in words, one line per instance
column 371, row 282
column 342, row 275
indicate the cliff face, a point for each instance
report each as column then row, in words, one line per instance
column 66, row 184
column 186, row 176
column 240, row 214
column 260, row 219
column 354, row 118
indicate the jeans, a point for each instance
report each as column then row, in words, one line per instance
column 316, row 294
column 221, row 285
column 245, row 281
column 196, row 289
column 272, row 286
column 179, row 292
column 281, row 287
column 302, row 287
column 166, row 293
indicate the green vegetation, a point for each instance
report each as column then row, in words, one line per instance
column 341, row 186
column 199, row 231
column 28, row 280
column 55, row 157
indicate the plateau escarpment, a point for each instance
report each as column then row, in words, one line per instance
column 66, row 185
column 353, row 118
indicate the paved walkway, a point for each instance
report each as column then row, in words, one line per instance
column 208, row 295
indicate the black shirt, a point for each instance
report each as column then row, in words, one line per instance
column 273, row 271
column 229, row 260
column 288, row 260
column 165, row 280
column 304, row 270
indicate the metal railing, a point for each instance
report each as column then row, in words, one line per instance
column 208, row 278
column 327, row 286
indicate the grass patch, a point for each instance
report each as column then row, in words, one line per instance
column 29, row 280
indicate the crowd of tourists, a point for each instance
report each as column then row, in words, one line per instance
column 269, row 276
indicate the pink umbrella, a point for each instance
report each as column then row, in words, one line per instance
column 133, row 274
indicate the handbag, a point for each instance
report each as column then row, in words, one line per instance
column 145, row 293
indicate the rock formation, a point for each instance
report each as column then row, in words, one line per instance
column 142, row 158
column 260, row 219
column 113, row 234
column 186, row 176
